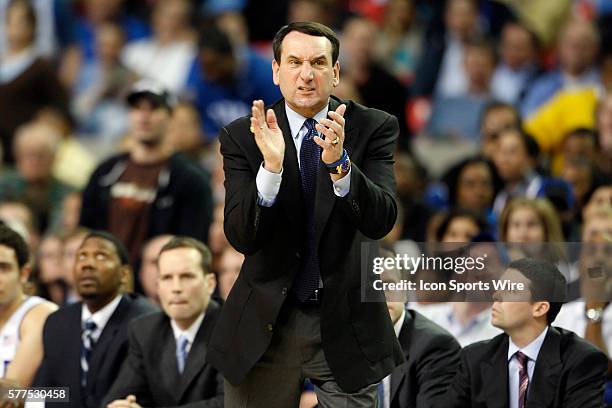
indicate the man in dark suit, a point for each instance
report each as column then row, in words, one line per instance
column 531, row 364
column 166, row 361
column 303, row 192
column 432, row 354
column 85, row 343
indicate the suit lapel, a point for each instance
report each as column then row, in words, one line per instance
column 545, row 381
column 165, row 350
column 72, row 344
column 105, row 340
column 290, row 191
column 196, row 359
column 494, row 373
column 399, row 374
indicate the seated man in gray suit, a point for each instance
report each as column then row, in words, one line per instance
column 166, row 360
column 432, row 354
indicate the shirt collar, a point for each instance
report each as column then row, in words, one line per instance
column 400, row 322
column 296, row 121
column 191, row 332
column 531, row 350
column 102, row 316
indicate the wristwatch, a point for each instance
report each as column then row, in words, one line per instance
column 341, row 166
column 594, row 315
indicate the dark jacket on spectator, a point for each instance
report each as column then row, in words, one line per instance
column 61, row 364
column 182, row 205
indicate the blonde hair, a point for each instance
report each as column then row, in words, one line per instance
column 545, row 211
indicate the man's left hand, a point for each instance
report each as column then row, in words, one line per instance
column 333, row 131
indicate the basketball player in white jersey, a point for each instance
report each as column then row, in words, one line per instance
column 22, row 317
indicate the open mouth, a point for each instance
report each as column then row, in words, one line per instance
column 305, row 89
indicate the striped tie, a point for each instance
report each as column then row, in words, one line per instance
column 87, row 343
column 523, row 378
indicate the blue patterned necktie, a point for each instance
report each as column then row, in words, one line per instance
column 87, row 343
column 310, row 154
column 181, row 352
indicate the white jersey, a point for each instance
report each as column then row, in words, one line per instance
column 9, row 335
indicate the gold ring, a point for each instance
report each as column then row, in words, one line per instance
column 335, row 141
column 261, row 127
column 252, row 129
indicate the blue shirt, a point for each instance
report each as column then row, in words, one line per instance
column 220, row 104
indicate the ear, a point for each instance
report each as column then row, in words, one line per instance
column 211, row 282
column 24, row 274
column 540, row 309
column 127, row 279
column 336, row 80
column 275, row 69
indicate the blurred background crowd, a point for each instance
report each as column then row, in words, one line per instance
column 504, row 106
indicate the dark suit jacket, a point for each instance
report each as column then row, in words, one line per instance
column 569, row 373
column 61, row 362
column 358, row 339
column 151, row 372
column 432, row 358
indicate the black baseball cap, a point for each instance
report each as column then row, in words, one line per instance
column 153, row 91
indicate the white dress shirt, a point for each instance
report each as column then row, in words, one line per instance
column 387, row 380
column 100, row 318
column 190, row 333
column 268, row 183
column 531, row 350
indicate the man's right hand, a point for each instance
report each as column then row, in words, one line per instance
column 268, row 136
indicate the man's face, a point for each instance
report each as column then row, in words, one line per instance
column 183, row 288
column 98, row 273
column 511, row 159
column 148, row 122
column 511, row 311
column 460, row 18
column 516, row 46
column 577, row 48
column 10, row 276
column 305, row 73
column 148, row 266
column 494, row 122
column 217, row 67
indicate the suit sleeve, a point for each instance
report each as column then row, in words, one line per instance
column 131, row 378
column 585, row 384
column 245, row 221
column 436, row 370
column 459, row 393
column 370, row 202
column 195, row 215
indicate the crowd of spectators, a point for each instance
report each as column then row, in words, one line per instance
column 505, row 113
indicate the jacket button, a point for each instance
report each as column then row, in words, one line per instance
column 298, row 255
column 284, row 291
column 270, row 327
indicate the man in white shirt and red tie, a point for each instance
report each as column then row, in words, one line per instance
column 531, row 364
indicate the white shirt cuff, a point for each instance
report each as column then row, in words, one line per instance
column 268, row 185
column 342, row 186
